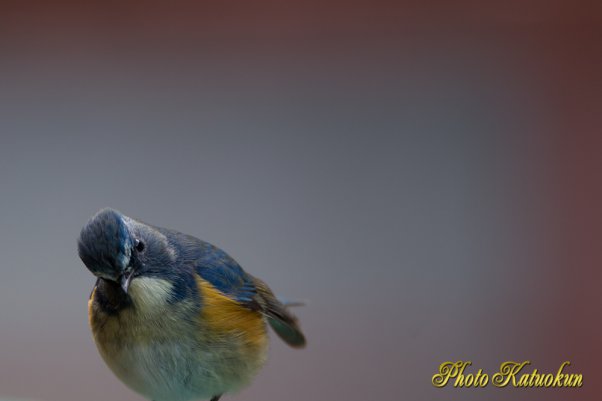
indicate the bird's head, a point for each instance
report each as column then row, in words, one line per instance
column 117, row 248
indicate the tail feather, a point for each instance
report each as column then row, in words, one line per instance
column 283, row 322
column 290, row 334
column 290, row 303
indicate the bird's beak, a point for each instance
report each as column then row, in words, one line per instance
column 126, row 279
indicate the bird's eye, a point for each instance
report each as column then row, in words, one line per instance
column 139, row 245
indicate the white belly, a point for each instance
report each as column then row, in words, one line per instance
column 171, row 372
column 165, row 357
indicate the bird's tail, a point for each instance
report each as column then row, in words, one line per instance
column 288, row 303
column 284, row 323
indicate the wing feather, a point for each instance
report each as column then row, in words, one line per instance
column 222, row 271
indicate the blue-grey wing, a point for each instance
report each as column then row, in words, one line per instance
column 225, row 274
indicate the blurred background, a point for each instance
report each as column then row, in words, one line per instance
column 427, row 175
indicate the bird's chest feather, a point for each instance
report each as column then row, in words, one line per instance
column 172, row 351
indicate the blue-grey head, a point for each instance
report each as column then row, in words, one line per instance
column 111, row 245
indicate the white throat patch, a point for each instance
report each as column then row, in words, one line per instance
column 150, row 294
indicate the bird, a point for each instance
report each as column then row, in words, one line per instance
column 174, row 317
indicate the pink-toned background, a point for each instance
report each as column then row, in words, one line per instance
column 428, row 175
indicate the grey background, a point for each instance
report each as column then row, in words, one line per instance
column 368, row 197
column 396, row 182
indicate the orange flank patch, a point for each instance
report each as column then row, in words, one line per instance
column 222, row 314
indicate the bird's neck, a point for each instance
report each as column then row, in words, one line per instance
column 111, row 297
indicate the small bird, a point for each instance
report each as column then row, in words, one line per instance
column 176, row 318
